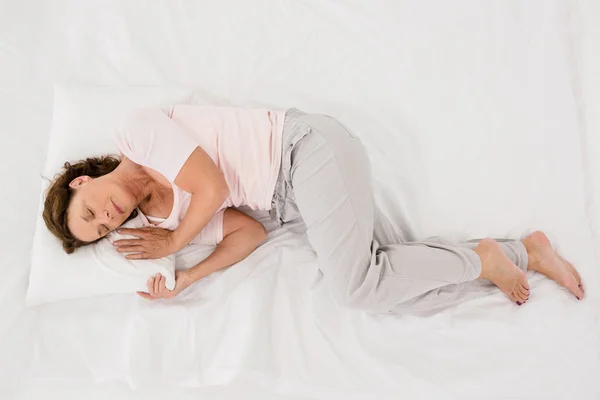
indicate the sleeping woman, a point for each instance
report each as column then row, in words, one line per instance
column 187, row 168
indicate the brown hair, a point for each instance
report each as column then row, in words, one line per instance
column 59, row 195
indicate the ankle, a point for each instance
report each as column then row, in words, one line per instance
column 485, row 251
column 533, row 257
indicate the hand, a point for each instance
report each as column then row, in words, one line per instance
column 151, row 243
column 158, row 290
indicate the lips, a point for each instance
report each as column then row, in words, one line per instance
column 116, row 207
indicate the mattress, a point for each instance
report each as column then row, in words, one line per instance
column 261, row 329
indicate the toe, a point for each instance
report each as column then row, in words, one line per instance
column 512, row 297
column 524, row 292
column 573, row 271
column 572, row 268
column 520, row 296
column 576, row 275
column 574, row 288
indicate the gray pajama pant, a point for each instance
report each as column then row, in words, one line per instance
column 326, row 179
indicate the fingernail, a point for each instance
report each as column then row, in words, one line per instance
column 578, row 298
column 118, row 231
column 518, row 302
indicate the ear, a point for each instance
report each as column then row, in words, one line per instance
column 80, row 180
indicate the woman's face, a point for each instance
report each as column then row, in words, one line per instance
column 98, row 206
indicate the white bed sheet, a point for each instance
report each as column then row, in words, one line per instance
column 588, row 65
column 231, row 330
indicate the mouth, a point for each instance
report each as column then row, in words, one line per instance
column 116, row 207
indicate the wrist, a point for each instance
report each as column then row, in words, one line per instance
column 185, row 277
column 195, row 273
column 176, row 242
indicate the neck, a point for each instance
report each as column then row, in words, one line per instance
column 133, row 178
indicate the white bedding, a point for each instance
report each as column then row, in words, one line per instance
column 402, row 74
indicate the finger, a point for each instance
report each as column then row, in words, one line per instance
column 127, row 242
column 133, row 232
column 150, row 286
column 144, row 295
column 157, row 284
column 131, row 249
column 137, row 256
column 163, row 284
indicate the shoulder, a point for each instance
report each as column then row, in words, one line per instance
column 143, row 117
column 135, row 129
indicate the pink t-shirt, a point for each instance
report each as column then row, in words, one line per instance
column 245, row 144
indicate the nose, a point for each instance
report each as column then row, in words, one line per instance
column 105, row 217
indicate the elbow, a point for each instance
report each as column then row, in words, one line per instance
column 224, row 191
column 247, row 231
column 251, row 236
column 261, row 233
column 257, row 232
column 218, row 194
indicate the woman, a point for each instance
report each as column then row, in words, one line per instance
column 186, row 167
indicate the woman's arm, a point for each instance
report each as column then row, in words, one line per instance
column 241, row 236
column 200, row 177
column 150, row 138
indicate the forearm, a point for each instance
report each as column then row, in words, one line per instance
column 234, row 248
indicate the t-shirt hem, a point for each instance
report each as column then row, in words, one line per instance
column 178, row 164
column 278, row 143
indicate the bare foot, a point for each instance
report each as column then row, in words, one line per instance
column 543, row 259
column 498, row 268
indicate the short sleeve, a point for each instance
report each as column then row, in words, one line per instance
column 212, row 234
column 150, row 138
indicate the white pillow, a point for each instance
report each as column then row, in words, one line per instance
column 82, row 124
column 96, row 269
